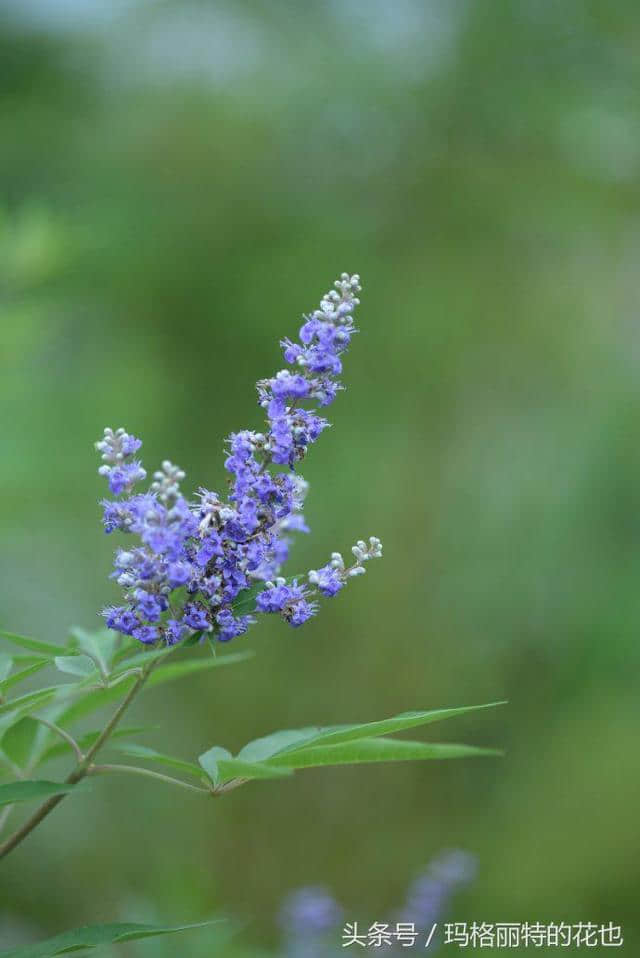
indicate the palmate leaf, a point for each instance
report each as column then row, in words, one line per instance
column 30, row 791
column 291, row 749
column 222, row 767
column 92, row 936
column 292, row 739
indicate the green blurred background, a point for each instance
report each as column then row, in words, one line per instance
column 179, row 182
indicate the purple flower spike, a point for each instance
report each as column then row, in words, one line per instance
column 196, row 561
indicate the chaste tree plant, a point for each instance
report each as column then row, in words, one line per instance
column 197, row 574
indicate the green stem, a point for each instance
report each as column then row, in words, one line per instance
column 230, row 785
column 149, row 773
column 79, row 772
column 69, row 739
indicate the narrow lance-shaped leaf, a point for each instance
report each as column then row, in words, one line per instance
column 128, row 646
column 37, row 663
column 293, row 739
column 10, row 718
column 29, row 791
column 6, row 664
column 18, row 742
column 80, row 665
column 100, row 645
column 13, row 710
column 34, row 645
column 374, row 750
column 263, row 748
column 31, row 699
column 178, row 670
column 92, row 936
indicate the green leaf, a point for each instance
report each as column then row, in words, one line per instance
column 338, row 745
column 128, row 646
column 178, row 670
column 292, row 739
column 192, row 640
column 13, row 710
column 31, row 699
column 35, row 645
column 374, row 750
column 10, row 718
column 263, row 748
column 347, row 733
column 92, row 936
column 221, row 767
column 80, row 665
column 18, row 742
column 150, row 755
column 100, row 645
column 6, row 664
column 35, row 666
column 27, row 791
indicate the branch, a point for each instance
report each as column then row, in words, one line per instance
column 81, row 769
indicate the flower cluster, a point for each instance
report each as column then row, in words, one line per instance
column 197, row 564
column 430, row 894
column 310, row 918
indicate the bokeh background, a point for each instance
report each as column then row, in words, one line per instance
column 180, row 181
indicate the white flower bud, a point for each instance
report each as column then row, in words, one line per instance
column 375, row 547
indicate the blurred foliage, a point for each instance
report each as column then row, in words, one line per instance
column 180, row 182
